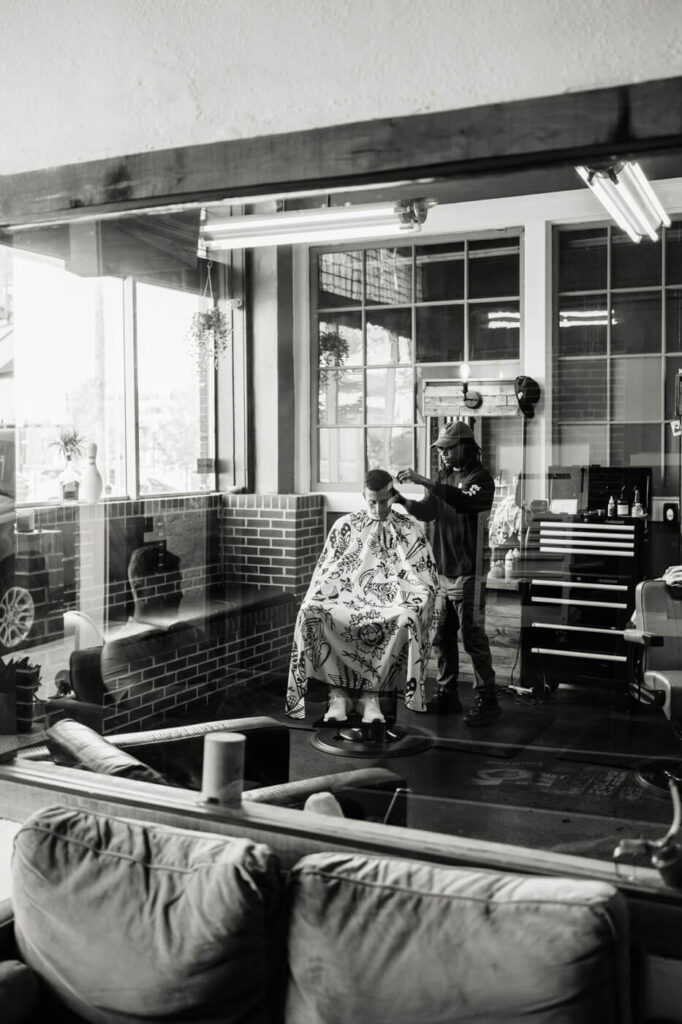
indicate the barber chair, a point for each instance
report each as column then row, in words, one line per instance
column 654, row 640
column 355, row 738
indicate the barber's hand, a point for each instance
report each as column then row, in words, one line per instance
column 407, row 475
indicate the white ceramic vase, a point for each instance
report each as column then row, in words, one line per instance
column 91, row 480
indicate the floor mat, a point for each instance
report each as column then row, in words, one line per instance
column 622, row 742
column 515, row 728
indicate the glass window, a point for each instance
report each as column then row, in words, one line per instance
column 673, row 253
column 583, row 325
column 339, row 339
column 673, row 320
column 440, row 334
column 389, row 336
column 174, row 402
column 634, row 266
column 580, row 391
column 389, row 448
column 440, row 272
column 340, row 279
column 636, row 388
column 581, row 444
column 493, row 267
column 582, row 257
column 342, row 457
column 494, row 329
column 413, row 312
column 388, row 276
column 72, row 328
column 636, row 323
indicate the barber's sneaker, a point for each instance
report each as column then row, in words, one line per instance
column 485, row 710
column 445, row 701
column 368, row 704
column 339, row 706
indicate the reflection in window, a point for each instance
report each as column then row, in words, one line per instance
column 389, row 336
column 388, row 276
column 174, row 396
column 583, row 325
column 71, row 327
column 428, row 322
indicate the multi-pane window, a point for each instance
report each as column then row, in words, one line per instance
column 106, row 356
column 386, row 319
column 618, row 347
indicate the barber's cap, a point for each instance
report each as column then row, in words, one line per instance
column 452, row 434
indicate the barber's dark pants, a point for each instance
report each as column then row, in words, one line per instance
column 464, row 612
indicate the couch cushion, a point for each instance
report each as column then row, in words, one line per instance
column 133, row 922
column 378, row 940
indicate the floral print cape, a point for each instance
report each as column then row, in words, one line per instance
column 371, row 611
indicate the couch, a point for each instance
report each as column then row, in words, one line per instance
column 113, row 920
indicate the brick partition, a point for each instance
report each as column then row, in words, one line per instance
column 269, row 540
column 272, row 539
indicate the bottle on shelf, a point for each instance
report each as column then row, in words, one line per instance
column 637, row 507
column 622, row 508
column 611, row 509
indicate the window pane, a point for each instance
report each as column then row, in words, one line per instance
column 583, row 325
column 339, row 279
column 340, row 339
column 341, row 456
column 71, row 328
column 340, row 396
column 673, row 253
column 580, row 389
column 388, row 276
column 636, row 323
column 389, row 336
column 176, row 426
column 494, row 330
column 582, row 259
column 670, row 482
column 493, row 267
column 634, row 266
column 581, row 444
column 636, row 444
column 440, row 272
column 673, row 321
column 390, row 396
column 440, row 334
column 636, row 389
column 389, row 448
column 672, row 365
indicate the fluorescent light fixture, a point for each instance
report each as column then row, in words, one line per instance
column 625, row 193
column 327, row 224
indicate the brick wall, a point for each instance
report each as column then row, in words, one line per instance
column 78, row 558
column 271, row 539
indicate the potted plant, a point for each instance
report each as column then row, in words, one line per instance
column 71, row 445
column 208, row 336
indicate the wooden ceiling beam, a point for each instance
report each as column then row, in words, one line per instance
column 571, row 127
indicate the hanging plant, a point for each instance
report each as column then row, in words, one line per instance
column 209, row 332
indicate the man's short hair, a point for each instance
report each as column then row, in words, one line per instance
column 377, row 479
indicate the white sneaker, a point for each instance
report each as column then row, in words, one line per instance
column 339, row 706
column 369, row 705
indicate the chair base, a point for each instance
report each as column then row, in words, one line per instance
column 653, row 776
column 374, row 739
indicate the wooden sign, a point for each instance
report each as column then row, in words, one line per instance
column 445, row 398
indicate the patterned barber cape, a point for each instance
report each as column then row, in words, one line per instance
column 371, row 611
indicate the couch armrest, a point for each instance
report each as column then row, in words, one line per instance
column 364, row 793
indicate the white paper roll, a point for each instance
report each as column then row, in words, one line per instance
column 223, row 770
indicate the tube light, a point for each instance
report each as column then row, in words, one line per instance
column 327, row 224
column 625, row 193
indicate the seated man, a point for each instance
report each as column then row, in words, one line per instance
column 367, row 622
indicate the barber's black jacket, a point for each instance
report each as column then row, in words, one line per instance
column 454, row 508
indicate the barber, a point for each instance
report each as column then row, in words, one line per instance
column 458, row 498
